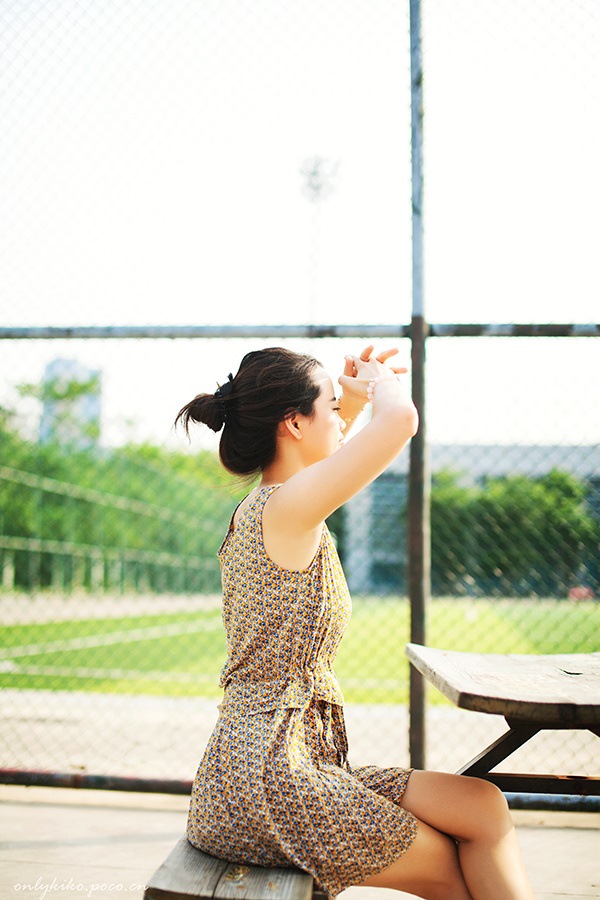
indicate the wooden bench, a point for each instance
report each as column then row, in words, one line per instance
column 189, row 873
column 533, row 693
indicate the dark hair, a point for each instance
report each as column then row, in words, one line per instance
column 270, row 385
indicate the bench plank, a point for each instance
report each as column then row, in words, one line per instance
column 189, row 873
column 257, row 883
column 559, row 690
column 186, row 872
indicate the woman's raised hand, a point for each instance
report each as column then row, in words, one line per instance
column 360, row 370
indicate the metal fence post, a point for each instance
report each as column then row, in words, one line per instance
column 419, row 574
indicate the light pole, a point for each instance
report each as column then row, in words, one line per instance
column 319, row 176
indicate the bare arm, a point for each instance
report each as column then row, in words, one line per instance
column 302, row 503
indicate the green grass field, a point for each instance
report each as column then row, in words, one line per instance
column 181, row 654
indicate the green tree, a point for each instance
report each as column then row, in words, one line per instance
column 532, row 532
column 452, row 533
column 130, row 498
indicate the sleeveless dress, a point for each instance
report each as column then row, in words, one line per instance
column 274, row 787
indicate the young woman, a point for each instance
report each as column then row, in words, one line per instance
column 275, row 786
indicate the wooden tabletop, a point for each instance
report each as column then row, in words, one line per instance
column 558, row 691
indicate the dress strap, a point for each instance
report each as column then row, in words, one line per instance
column 257, row 501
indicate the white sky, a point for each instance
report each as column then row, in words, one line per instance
column 150, row 158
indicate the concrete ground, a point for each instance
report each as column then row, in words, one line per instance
column 81, row 844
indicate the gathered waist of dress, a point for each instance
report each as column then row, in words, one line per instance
column 294, row 691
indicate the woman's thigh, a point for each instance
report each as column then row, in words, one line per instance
column 428, row 868
column 463, row 807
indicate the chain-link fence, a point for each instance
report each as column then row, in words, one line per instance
column 224, row 162
column 112, row 640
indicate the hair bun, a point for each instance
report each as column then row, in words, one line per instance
column 205, row 409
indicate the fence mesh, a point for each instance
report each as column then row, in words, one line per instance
column 112, row 640
column 225, row 162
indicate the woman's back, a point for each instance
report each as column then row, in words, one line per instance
column 283, row 626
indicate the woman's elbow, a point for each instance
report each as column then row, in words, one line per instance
column 414, row 421
column 407, row 422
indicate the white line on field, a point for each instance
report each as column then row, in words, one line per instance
column 114, row 637
column 116, row 674
column 389, row 683
column 182, row 677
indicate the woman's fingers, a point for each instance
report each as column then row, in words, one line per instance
column 385, row 354
column 359, row 366
column 349, row 367
column 381, row 357
column 351, row 384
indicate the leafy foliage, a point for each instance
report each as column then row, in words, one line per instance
column 134, row 498
column 512, row 534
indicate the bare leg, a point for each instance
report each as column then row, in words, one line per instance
column 475, row 814
column 429, row 868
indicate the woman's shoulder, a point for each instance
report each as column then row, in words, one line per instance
column 253, row 501
column 246, row 523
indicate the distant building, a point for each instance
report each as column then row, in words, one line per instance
column 72, row 398
column 374, row 543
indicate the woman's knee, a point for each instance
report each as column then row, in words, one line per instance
column 490, row 814
column 466, row 808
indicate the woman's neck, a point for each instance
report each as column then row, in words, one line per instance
column 279, row 471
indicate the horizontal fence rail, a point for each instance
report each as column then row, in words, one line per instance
column 64, row 567
column 90, row 495
column 551, row 329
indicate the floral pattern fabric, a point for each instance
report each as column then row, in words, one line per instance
column 275, row 787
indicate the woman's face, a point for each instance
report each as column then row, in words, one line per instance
column 323, row 432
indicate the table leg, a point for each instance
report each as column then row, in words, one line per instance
column 517, row 735
column 506, row 744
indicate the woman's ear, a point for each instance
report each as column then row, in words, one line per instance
column 290, row 427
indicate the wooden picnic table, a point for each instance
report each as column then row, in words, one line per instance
column 533, row 693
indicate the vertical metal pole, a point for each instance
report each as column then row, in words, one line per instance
column 419, row 570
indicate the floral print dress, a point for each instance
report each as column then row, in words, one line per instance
column 274, row 787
